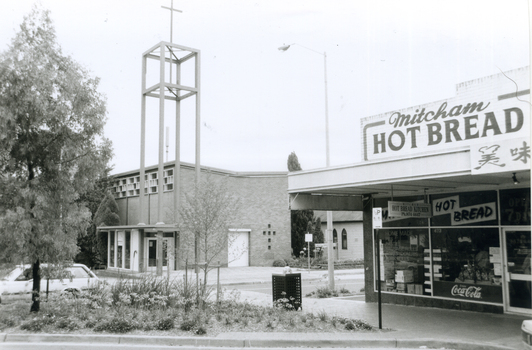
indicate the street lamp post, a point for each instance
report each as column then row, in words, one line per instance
column 330, row 252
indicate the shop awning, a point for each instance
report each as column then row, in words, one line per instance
column 424, row 174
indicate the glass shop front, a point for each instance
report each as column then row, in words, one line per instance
column 472, row 247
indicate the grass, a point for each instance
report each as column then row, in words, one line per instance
column 159, row 306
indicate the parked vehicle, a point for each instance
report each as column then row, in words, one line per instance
column 18, row 283
column 526, row 332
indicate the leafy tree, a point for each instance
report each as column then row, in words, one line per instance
column 209, row 211
column 299, row 218
column 318, row 233
column 53, row 148
column 107, row 213
column 93, row 249
column 293, row 162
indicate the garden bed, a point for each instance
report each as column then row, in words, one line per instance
column 151, row 306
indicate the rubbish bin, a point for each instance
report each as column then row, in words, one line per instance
column 290, row 284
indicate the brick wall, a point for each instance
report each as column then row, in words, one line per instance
column 264, row 212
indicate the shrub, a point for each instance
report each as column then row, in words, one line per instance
column 201, row 330
column 165, row 324
column 359, row 324
column 90, row 324
column 116, row 325
column 279, row 263
column 287, row 303
column 67, row 323
column 7, row 321
column 38, row 323
column 350, row 326
column 291, row 321
column 187, row 325
column 325, row 292
column 148, row 326
column 322, row 315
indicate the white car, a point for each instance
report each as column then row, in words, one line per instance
column 18, row 283
column 526, row 332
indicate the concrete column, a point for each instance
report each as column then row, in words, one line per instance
column 159, row 253
column 142, row 219
column 330, row 250
column 160, row 172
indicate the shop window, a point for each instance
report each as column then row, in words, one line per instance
column 467, row 264
column 344, row 239
column 388, row 221
column 402, row 260
column 465, row 209
column 515, row 206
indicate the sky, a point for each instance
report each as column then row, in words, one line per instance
column 259, row 104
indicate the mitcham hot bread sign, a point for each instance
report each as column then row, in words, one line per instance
column 484, row 111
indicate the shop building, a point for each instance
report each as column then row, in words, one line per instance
column 452, row 181
column 260, row 235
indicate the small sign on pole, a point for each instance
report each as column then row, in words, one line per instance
column 308, row 239
column 377, row 224
column 377, row 217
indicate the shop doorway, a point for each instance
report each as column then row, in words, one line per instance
column 152, row 253
column 517, row 276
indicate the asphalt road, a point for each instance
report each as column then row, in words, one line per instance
column 353, row 285
column 80, row 346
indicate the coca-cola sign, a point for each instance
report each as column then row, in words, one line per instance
column 471, row 292
column 468, row 291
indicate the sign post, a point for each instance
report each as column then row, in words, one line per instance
column 377, row 224
column 308, row 239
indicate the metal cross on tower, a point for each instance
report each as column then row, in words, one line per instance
column 172, row 9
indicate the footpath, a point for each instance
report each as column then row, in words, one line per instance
column 403, row 326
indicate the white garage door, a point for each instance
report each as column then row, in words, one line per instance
column 238, row 250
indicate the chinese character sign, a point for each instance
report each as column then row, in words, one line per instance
column 501, row 156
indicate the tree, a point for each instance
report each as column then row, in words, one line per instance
column 209, row 211
column 299, row 219
column 104, row 212
column 318, row 233
column 53, row 148
column 293, row 162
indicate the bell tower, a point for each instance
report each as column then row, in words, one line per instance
column 163, row 68
column 171, row 58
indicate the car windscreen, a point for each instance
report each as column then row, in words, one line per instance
column 78, row 272
column 26, row 275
